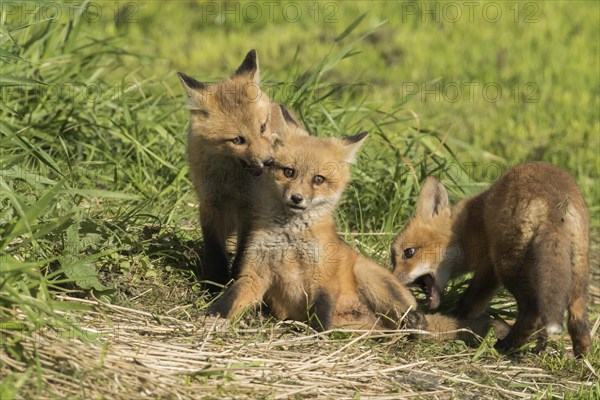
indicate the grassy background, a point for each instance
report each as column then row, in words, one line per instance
column 95, row 188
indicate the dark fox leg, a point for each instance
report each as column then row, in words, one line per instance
column 552, row 262
column 321, row 312
column 478, row 295
column 577, row 322
column 526, row 324
column 241, row 244
column 215, row 229
column 214, row 261
column 524, row 289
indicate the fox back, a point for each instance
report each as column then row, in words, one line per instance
column 528, row 232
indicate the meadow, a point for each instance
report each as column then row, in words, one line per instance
column 99, row 296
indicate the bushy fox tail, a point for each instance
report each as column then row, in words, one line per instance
column 442, row 327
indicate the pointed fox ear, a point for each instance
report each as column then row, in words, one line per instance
column 433, row 199
column 195, row 95
column 249, row 67
column 189, row 83
column 352, row 145
column 287, row 115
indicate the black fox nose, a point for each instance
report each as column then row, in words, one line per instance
column 268, row 162
column 297, row 199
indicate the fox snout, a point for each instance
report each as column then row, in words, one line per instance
column 297, row 202
column 297, row 198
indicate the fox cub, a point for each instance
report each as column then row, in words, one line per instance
column 528, row 232
column 229, row 143
column 296, row 263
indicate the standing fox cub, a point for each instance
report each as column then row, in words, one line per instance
column 296, row 263
column 229, row 143
column 528, row 232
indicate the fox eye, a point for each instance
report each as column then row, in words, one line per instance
column 408, row 253
column 318, row 179
column 289, row 172
column 263, row 128
column 238, row 140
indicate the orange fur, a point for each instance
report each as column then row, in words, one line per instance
column 233, row 126
column 294, row 260
column 528, row 232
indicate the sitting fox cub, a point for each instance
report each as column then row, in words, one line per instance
column 296, row 263
column 229, row 142
column 528, row 232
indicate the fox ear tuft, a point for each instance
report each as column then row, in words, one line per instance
column 249, row 67
column 433, row 199
column 353, row 144
column 356, row 138
column 195, row 95
column 190, row 83
column 287, row 115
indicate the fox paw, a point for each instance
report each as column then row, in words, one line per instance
column 217, row 309
column 415, row 320
column 503, row 345
column 223, row 305
column 508, row 345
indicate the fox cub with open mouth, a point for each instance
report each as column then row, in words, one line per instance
column 295, row 262
column 528, row 232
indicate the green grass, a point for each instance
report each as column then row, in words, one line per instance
column 95, row 189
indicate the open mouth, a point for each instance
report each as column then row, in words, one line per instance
column 427, row 284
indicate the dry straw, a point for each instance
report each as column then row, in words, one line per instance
column 128, row 354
